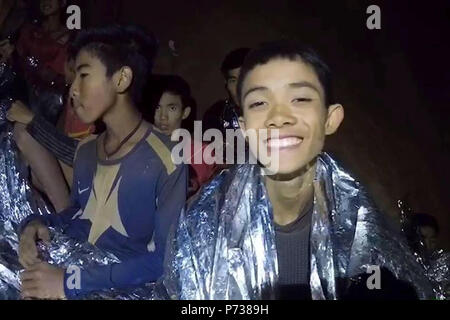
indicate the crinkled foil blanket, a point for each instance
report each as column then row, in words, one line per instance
column 224, row 246
column 17, row 201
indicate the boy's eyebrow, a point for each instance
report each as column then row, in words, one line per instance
column 302, row 84
column 81, row 66
column 172, row 104
column 254, row 89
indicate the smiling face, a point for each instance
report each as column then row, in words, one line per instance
column 92, row 91
column 170, row 113
column 286, row 95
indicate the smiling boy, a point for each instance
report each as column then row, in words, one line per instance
column 126, row 190
column 307, row 231
column 292, row 97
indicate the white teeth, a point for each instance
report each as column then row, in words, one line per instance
column 284, row 142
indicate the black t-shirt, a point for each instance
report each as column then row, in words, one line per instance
column 293, row 252
column 292, row 242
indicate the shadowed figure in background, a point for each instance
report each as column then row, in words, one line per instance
column 40, row 56
column 224, row 114
column 172, row 108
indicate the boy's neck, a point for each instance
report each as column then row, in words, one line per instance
column 120, row 120
column 290, row 196
column 52, row 23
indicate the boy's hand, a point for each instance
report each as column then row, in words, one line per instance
column 43, row 281
column 19, row 112
column 28, row 252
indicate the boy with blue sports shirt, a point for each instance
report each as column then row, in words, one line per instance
column 126, row 191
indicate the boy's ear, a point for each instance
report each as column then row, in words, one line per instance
column 186, row 113
column 123, row 79
column 334, row 118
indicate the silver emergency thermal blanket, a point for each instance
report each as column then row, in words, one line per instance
column 224, row 245
column 18, row 201
column 436, row 263
column 438, row 271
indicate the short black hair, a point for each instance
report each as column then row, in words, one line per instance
column 178, row 86
column 173, row 84
column 117, row 46
column 291, row 50
column 425, row 220
column 233, row 60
